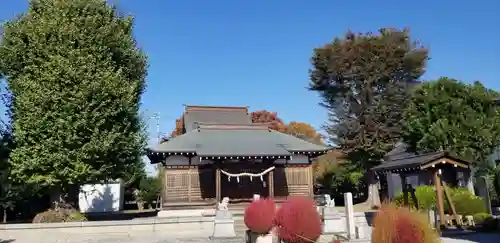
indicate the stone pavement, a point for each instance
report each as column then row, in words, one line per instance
column 180, row 238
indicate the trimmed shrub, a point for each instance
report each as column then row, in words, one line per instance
column 426, row 197
column 259, row 216
column 49, row 216
column 465, row 203
column 76, row 217
column 399, row 225
column 298, row 221
column 479, row 218
column 62, row 215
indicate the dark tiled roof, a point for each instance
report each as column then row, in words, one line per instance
column 215, row 115
column 414, row 160
column 399, row 151
column 236, row 140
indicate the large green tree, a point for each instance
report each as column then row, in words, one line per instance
column 76, row 76
column 363, row 81
column 452, row 116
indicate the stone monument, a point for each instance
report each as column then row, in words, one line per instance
column 224, row 222
column 333, row 221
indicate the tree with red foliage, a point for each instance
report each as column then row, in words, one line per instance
column 298, row 221
column 259, row 216
column 272, row 118
column 179, row 127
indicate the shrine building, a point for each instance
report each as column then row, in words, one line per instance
column 221, row 153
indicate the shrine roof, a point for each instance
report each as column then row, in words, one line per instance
column 236, row 140
column 402, row 161
column 194, row 115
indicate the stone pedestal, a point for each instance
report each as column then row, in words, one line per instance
column 333, row 221
column 223, row 225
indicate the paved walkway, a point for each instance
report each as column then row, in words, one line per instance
column 470, row 238
column 169, row 238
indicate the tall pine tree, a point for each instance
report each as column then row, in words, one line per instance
column 76, row 76
column 363, row 81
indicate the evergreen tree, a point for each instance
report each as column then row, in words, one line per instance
column 76, row 76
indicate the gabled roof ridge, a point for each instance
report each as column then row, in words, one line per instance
column 235, row 126
column 419, row 155
column 221, row 108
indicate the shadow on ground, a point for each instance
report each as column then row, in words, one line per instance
column 108, row 216
column 475, row 237
column 7, row 241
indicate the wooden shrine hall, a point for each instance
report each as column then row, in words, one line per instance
column 221, row 153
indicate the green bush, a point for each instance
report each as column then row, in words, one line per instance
column 149, row 189
column 426, row 197
column 465, row 203
column 479, row 218
column 76, row 217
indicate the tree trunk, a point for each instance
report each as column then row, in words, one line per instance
column 4, row 215
column 57, row 199
column 64, row 199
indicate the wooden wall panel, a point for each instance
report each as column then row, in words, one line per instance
column 177, row 185
column 202, row 184
column 189, row 184
column 292, row 181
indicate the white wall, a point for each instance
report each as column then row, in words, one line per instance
column 100, row 198
column 299, row 159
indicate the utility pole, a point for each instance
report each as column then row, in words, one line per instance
column 156, row 116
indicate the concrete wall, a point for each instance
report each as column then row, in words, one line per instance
column 157, row 228
column 98, row 198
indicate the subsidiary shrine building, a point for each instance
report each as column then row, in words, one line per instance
column 221, row 153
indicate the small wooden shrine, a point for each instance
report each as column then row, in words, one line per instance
column 222, row 154
column 439, row 169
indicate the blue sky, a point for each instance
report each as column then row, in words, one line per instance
column 256, row 53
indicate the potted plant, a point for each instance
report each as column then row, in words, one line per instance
column 400, row 225
column 298, row 221
column 259, row 219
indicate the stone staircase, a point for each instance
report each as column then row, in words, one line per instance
column 239, row 225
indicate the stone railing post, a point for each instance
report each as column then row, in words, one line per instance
column 349, row 216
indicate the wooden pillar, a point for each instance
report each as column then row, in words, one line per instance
column 270, row 183
column 439, row 196
column 217, row 185
column 189, row 184
column 310, row 176
column 404, row 187
column 165, row 186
